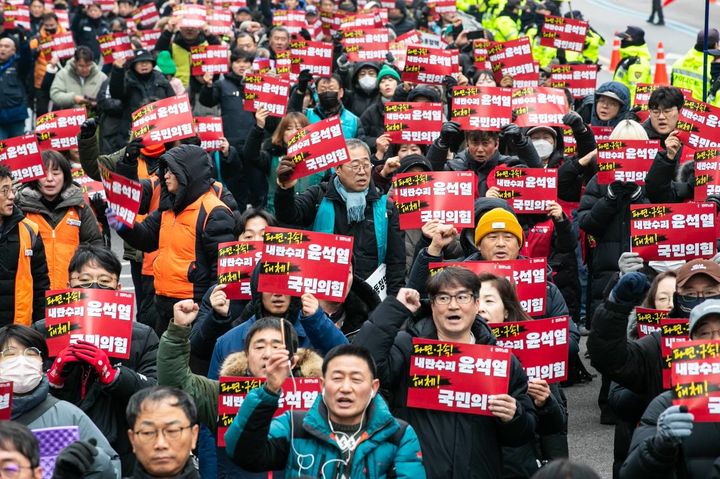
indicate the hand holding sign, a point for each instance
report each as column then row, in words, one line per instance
column 310, row 304
column 55, row 375
column 97, row 358
column 285, row 172
column 503, row 407
column 539, row 391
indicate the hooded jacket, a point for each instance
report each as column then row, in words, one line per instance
column 67, row 84
column 135, row 91
column 13, row 99
column 179, row 48
column 359, row 100
column 228, row 93
column 587, row 108
column 404, row 24
column 668, row 182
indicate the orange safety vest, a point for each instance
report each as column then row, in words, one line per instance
column 60, row 244
column 176, row 246
column 27, row 234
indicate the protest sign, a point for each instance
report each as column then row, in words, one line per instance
column 625, row 160
column 220, row 22
column 481, row 108
column 439, row 7
column 698, row 124
column 672, row 331
column 232, row 5
column 148, row 38
column 103, row 317
column 527, row 190
column 569, row 142
column 266, row 91
column 447, row 196
column 481, row 58
column 123, row 195
column 514, row 58
column 678, row 231
column 297, row 394
column 210, row 131
column 413, row 122
column 236, row 261
column 6, row 389
column 292, row 20
column 541, row 345
column 296, row 262
column 163, row 121
column 16, row 15
column 565, row 33
column 707, row 173
column 363, row 20
column 602, row 133
column 190, row 16
column 648, row 320
column 368, row 44
column 89, row 186
column 695, row 379
column 579, row 79
column 115, row 46
column 62, row 45
column 429, row 65
column 456, row 377
column 22, row 155
column 318, row 147
column 146, row 16
column 539, row 106
column 58, row 130
column 51, row 441
column 314, row 56
column 208, row 59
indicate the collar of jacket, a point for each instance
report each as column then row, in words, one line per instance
column 27, row 402
column 333, row 195
column 486, row 166
column 188, row 472
column 425, row 328
column 30, row 199
column 9, row 222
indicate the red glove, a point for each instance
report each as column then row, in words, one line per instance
column 96, row 358
column 55, row 375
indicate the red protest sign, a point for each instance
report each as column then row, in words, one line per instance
column 481, row 108
column 103, row 317
column 296, row 262
column 481, row 57
column 539, row 106
column 163, row 121
column 528, row 275
column 363, row 20
column 695, row 379
column 318, row 147
column 565, row 33
column 190, row 16
column 313, row 56
column 62, row 45
column 514, row 58
column 579, row 79
column 625, row 160
column 541, row 345
column 429, row 65
column 123, row 195
column 569, row 142
column 232, row 5
column 297, row 394
column 58, row 130
column 210, row 131
column 266, row 91
column 448, row 196
column 456, row 377
column 89, row 186
column 22, row 155
column 413, row 122
column 648, row 320
column 678, row 231
column 208, row 59
column 672, row 331
column 707, row 173
column 292, row 20
column 439, row 7
column 146, row 16
column 6, row 389
column 220, row 22
column 527, row 190
column 148, row 38
column 367, row 44
column 16, row 15
column 602, row 133
column 115, row 46
column 283, row 65
column 236, row 261
column 698, row 124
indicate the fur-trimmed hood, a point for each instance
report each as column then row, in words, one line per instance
column 309, row 364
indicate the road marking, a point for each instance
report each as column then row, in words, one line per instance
column 671, row 24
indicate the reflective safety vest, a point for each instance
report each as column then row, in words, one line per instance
column 60, row 244
column 687, row 72
column 28, row 235
column 631, row 73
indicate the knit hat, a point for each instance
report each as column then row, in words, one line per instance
column 414, row 160
column 165, row 63
column 152, row 151
column 710, row 307
column 498, row 219
column 387, row 70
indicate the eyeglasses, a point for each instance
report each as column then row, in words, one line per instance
column 692, row 295
column 11, row 470
column 10, row 353
column 666, row 111
column 461, row 298
column 714, row 334
column 358, row 167
column 170, row 432
column 88, row 282
column 5, row 192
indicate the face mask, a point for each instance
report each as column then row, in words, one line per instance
column 24, row 372
column 544, row 148
column 329, row 101
column 368, row 83
column 51, row 32
column 685, row 304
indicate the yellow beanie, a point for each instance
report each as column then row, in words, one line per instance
column 498, row 219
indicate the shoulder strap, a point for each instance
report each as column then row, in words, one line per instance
column 397, row 437
column 30, row 416
column 297, row 418
column 380, row 218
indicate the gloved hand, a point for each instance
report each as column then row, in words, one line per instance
column 451, row 136
column 630, row 262
column 389, row 58
column 513, row 133
column 132, row 151
column 715, row 200
column 98, row 203
column 343, row 63
column 630, row 289
column 673, row 424
column 113, row 221
column 88, row 128
column 574, row 121
column 75, row 460
column 55, row 375
column 96, row 358
column 622, row 192
column 304, row 78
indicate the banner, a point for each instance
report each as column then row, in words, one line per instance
column 62, row 45
column 625, row 160
column 318, row 147
column 413, row 122
column 481, row 57
column 210, row 131
column 148, row 38
column 707, row 173
column 123, row 195
column 448, row 196
column 456, row 377
column 236, row 261
column 103, row 317
column 164, row 121
column 292, row 20
column 579, row 79
column 438, row 7
column 672, row 330
column 22, row 155
column 115, row 46
column 528, row 275
column 648, row 320
column 6, row 390
column 569, row 142
column 16, row 15
column 89, row 186
column 698, row 125
column 527, row 190
column 58, row 130
column 565, row 33
column 314, row 56
column 220, row 22
column 539, row 106
column 541, row 345
column 367, row 44
column 266, row 91
column 232, row 5
column 146, row 16
column 362, row 20
column 51, row 441
column 678, row 231
column 296, row 262
column 514, row 58
column 602, row 133
column 298, row 394
column 190, row 16
column 481, row 108
column 695, row 379
column 429, row 65
column 208, row 59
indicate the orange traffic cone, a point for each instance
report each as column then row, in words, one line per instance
column 615, row 56
column 661, row 74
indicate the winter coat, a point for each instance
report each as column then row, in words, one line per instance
column 43, row 56
column 454, row 445
column 188, row 472
column 662, row 183
column 228, row 93
column 179, row 49
column 113, row 134
column 86, row 31
column 68, row 84
column 258, row 442
column 405, row 24
column 587, row 107
column 358, row 100
column 373, row 122
column 13, row 73
column 134, row 92
column 300, row 210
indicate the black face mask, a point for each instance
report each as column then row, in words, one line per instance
column 685, row 304
column 329, row 102
column 51, row 32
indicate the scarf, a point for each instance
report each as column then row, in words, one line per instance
column 354, row 202
column 28, row 402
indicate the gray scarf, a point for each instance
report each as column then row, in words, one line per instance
column 354, row 202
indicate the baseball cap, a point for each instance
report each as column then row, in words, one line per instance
column 612, row 95
column 696, row 267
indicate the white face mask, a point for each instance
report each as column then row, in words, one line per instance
column 24, row 372
column 368, row 83
column 544, row 148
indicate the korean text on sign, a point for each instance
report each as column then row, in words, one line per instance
column 123, row 195
column 318, row 147
column 236, row 261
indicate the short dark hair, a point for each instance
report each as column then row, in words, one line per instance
column 241, row 55
column 350, row 350
column 250, row 213
column 481, row 135
column 84, row 53
column 243, row 35
column 329, row 78
column 508, row 296
column 157, row 394
column 53, row 158
column 48, row 16
column 453, row 275
column 17, row 436
column 5, row 171
column 270, row 322
column 28, row 337
column 666, row 97
column 565, row 469
column 102, row 256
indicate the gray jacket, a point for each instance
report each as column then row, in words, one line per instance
column 67, row 84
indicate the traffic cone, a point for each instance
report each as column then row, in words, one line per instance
column 615, row 56
column 661, row 75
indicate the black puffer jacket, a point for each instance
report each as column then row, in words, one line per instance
column 405, row 24
column 663, row 183
column 134, row 91
column 358, row 101
column 228, row 93
column 113, row 126
column 86, row 30
column 373, row 122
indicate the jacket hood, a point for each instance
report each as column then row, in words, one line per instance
column 191, row 165
column 309, row 364
column 359, row 66
column 482, row 206
column 255, row 307
column 622, row 92
column 30, row 199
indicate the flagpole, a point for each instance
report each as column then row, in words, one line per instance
column 705, row 49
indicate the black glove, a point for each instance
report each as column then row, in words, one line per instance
column 88, row 128
column 622, row 192
column 304, row 79
column 99, row 204
column 343, row 63
column 574, row 121
column 715, row 200
column 75, row 460
column 285, row 170
column 512, row 133
column 390, row 58
column 451, row 136
column 132, row 151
